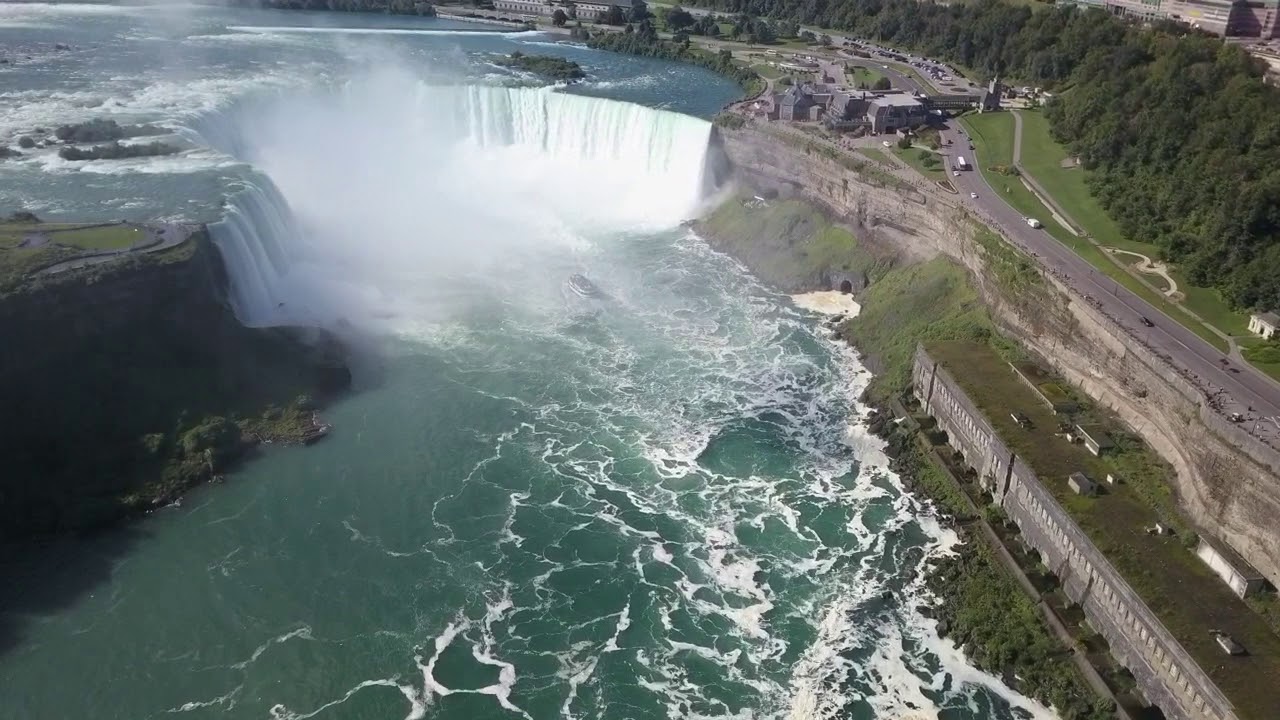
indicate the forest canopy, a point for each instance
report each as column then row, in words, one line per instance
column 1179, row 129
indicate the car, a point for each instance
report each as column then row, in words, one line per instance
column 1143, row 319
column 956, row 173
column 973, row 195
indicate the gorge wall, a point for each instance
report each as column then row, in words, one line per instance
column 124, row 382
column 1227, row 482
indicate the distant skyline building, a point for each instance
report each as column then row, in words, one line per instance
column 1228, row 18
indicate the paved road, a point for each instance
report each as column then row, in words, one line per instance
column 1230, row 391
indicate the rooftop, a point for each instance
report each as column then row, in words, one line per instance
column 896, row 100
column 1269, row 318
column 1180, row 589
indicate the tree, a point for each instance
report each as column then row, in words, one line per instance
column 762, row 32
column 646, row 31
column 881, row 83
column 682, row 39
column 639, row 11
column 824, row 40
column 904, row 143
column 924, row 156
column 806, row 36
column 559, row 18
column 788, row 28
column 613, row 16
column 677, row 19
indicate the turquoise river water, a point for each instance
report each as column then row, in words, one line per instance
column 657, row 500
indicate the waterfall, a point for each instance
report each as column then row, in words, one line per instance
column 255, row 237
column 369, row 192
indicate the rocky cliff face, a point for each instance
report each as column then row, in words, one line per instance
column 1227, row 485
column 124, row 382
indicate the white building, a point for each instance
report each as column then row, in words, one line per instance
column 1264, row 324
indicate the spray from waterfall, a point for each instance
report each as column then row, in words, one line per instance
column 377, row 196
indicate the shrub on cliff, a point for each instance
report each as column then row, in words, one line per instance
column 216, row 439
column 729, row 120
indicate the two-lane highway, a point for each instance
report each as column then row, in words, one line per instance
column 1229, row 387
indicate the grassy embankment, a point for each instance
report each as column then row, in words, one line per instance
column 787, row 242
column 992, row 135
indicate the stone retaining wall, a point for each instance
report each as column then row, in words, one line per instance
column 1165, row 672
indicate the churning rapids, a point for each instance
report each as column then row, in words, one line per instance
column 652, row 497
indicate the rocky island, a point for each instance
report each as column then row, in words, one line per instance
column 546, row 66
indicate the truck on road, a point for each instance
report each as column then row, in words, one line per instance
column 1034, row 223
column 962, row 164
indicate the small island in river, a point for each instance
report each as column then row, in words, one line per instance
column 547, row 66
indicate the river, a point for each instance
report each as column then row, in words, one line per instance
column 655, row 499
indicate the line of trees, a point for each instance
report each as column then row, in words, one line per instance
column 1180, row 130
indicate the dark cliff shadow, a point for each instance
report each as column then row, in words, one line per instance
column 40, row 578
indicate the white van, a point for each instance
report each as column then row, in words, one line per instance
column 1034, row 223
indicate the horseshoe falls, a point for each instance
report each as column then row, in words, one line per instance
column 657, row 499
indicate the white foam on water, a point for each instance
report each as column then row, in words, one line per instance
column 624, row 622
column 828, row 302
column 226, row 701
column 303, row 632
column 418, row 708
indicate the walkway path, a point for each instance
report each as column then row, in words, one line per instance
column 1150, row 267
column 1059, row 214
column 158, row 237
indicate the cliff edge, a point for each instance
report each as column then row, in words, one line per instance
column 125, row 378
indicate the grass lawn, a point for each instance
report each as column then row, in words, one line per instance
column 108, row 237
column 878, row 155
column 1042, row 157
column 1262, row 354
column 103, row 237
column 911, row 156
column 992, row 135
column 1180, row 589
column 767, row 71
column 862, row 75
